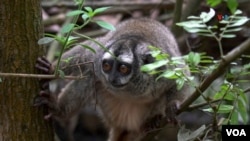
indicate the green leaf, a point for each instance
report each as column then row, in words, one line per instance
column 237, row 12
column 61, row 40
column 88, row 47
column 192, row 24
column 243, row 96
column 45, row 40
column 74, row 13
column 232, row 5
column 153, row 66
column 225, row 108
column 194, row 58
column 224, row 22
column 85, row 16
column 67, row 28
column 234, row 118
column 168, row 74
column 100, row 10
column 193, row 18
column 208, row 110
column 105, row 25
column 221, row 109
column 195, row 30
column 228, row 35
column 246, row 66
column 180, row 83
column 231, row 30
column 243, row 111
column 239, row 22
column 89, row 9
column 66, row 60
column 213, row 3
column 162, row 56
column 221, row 94
column 205, row 34
column 155, row 53
column 207, row 16
column 61, row 74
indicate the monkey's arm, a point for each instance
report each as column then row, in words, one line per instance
column 71, row 94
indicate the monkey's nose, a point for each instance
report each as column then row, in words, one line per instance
column 116, row 83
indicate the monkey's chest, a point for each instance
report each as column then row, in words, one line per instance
column 124, row 114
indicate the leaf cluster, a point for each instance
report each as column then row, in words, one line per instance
column 87, row 14
column 233, row 103
column 198, row 24
column 176, row 68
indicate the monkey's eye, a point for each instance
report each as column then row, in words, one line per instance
column 106, row 66
column 124, row 69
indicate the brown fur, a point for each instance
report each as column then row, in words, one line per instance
column 125, row 112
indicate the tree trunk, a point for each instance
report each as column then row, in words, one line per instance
column 20, row 29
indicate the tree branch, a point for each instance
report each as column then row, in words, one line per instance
column 121, row 4
column 177, row 18
column 223, row 64
column 38, row 76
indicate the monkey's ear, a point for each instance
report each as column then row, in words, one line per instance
column 148, row 58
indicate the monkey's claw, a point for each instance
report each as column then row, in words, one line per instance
column 39, row 101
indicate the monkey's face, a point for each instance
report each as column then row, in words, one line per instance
column 118, row 65
column 120, row 68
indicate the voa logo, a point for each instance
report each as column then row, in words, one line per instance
column 236, row 132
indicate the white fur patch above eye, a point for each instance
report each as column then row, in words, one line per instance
column 127, row 58
column 107, row 56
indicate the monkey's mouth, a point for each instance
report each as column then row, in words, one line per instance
column 118, row 86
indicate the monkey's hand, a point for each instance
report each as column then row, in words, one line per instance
column 158, row 121
column 171, row 112
column 44, row 98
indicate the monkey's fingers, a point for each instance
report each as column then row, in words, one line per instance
column 48, row 116
column 45, row 60
column 40, row 101
column 43, row 65
column 44, row 94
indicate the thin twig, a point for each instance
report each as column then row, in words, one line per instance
column 177, row 18
column 71, row 4
column 38, row 76
column 196, row 106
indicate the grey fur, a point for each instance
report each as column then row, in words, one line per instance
column 124, row 109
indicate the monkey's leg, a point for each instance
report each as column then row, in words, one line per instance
column 44, row 97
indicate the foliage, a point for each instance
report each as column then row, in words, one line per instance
column 231, row 4
column 229, row 101
column 233, row 99
column 198, row 25
column 68, row 41
column 174, row 70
